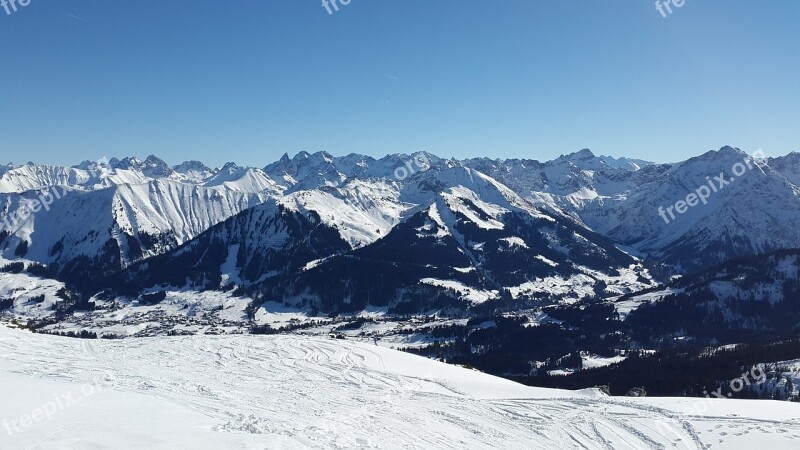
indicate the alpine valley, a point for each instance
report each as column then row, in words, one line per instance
column 558, row 274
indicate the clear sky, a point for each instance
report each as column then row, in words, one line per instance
column 247, row 80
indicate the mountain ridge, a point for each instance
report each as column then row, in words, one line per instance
column 518, row 223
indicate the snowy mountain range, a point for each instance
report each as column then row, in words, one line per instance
column 320, row 231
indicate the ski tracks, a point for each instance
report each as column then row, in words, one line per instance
column 335, row 394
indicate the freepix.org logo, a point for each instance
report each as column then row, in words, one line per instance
column 10, row 6
column 714, row 184
column 418, row 163
column 666, row 8
column 14, row 220
column 332, row 6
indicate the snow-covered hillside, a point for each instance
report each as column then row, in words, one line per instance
column 299, row 392
column 361, row 210
column 142, row 219
column 751, row 213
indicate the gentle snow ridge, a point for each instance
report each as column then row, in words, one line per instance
column 297, row 392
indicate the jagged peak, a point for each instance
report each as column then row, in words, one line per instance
column 728, row 149
column 85, row 165
column 230, row 167
column 793, row 157
column 128, row 163
column 191, row 165
column 724, row 153
column 154, row 159
column 582, row 154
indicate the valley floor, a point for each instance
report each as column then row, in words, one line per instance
column 288, row 391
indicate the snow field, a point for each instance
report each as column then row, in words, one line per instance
column 300, row 392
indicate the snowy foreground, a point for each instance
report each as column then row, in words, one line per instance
column 300, row 392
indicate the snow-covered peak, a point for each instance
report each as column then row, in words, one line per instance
column 582, row 155
column 16, row 179
column 788, row 166
column 229, row 167
column 713, row 158
column 243, row 179
column 586, row 160
column 402, row 167
column 742, row 194
column 420, row 188
column 306, row 171
column 141, row 220
column 154, row 167
column 193, row 172
column 625, row 163
column 362, row 211
column 127, row 163
column 191, row 165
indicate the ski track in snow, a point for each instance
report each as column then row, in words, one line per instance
column 289, row 391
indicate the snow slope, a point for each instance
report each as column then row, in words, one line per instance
column 298, row 392
column 755, row 212
column 361, row 211
column 81, row 223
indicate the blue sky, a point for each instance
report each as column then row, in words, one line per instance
column 248, row 80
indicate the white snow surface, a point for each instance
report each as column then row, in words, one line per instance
column 288, row 391
column 22, row 289
column 467, row 293
column 362, row 211
column 83, row 222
